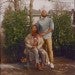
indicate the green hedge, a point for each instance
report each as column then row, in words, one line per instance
column 16, row 27
column 63, row 32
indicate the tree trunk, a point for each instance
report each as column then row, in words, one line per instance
column 30, row 11
column 16, row 5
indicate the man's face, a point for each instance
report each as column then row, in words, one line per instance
column 43, row 13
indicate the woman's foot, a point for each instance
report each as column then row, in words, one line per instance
column 42, row 65
column 39, row 67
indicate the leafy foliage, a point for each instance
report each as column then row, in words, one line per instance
column 63, row 35
column 63, row 32
column 16, row 26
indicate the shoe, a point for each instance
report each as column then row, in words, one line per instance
column 42, row 65
column 39, row 67
column 52, row 65
column 48, row 63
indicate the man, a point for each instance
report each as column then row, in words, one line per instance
column 34, row 43
column 45, row 28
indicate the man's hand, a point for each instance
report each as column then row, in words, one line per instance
column 46, row 32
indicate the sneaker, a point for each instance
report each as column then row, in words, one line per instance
column 52, row 65
column 47, row 63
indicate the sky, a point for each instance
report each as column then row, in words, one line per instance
column 42, row 4
column 38, row 4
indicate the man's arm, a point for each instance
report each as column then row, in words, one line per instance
column 48, row 31
column 51, row 25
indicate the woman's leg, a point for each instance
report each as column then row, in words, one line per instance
column 36, row 53
column 44, row 56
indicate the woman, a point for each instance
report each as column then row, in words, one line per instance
column 34, row 43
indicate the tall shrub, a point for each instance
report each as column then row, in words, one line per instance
column 16, row 27
column 63, row 32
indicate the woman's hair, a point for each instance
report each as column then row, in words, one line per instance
column 35, row 26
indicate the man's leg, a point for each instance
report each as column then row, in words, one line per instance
column 50, row 51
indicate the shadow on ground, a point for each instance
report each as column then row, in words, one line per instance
column 62, row 67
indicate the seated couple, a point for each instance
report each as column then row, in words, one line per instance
column 34, row 43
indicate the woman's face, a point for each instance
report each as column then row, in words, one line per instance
column 34, row 29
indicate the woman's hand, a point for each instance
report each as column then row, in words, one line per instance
column 33, row 47
column 42, row 34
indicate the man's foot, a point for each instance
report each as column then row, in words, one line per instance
column 47, row 64
column 52, row 65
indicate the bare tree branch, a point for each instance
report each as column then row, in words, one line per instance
column 30, row 11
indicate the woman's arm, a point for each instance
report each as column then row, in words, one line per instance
column 40, row 42
column 27, row 42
